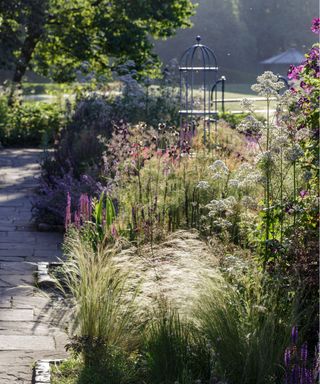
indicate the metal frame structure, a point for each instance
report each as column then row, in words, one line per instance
column 199, row 61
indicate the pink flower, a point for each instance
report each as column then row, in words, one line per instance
column 68, row 212
column 303, row 193
column 84, row 207
column 315, row 25
column 114, row 231
column 77, row 220
column 294, row 72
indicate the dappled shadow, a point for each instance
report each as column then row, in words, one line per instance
column 21, row 246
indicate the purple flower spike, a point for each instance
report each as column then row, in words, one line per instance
column 77, row 220
column 68, row 211
column 84, row 207
column 294, row 335
column 90, row 208
column 304, row 352
column 287, row 357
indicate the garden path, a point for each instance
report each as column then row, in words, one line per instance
column 29, row 320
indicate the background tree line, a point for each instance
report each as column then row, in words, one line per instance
column 244, row 32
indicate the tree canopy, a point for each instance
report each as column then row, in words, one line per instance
column 58, row 37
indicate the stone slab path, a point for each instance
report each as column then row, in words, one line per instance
column 30, row 322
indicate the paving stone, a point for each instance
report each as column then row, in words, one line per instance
column 7, row 258
column 34, row 328
column 13, row 246
column 23, row 342
column 16, row 315
column 16, row 291
column 16, row 280
column 22, row 267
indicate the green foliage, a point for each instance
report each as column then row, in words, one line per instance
column 232, row 119
column 248, row 324
column 104, row 204
column 174, row 350
column 30, row 124
column 99, row 231
column 115, row 368
column 60, row 38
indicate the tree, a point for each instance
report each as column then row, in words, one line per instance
column 58, row 37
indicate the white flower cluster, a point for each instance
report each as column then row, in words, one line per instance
column 268, row 84
column 233, row 183
column 219, row 170
column 222, row 223
column 282, row 140
column 203, row 185
column 222, row 206
column 246, row 177
column 233, row 265
column 251, row 124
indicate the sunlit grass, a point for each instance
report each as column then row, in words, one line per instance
column 103, row 309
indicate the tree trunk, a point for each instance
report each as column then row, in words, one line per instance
column 35, row 29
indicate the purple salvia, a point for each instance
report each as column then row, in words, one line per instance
column 296, row 374
column 287, row 357
column 294, row 335
column 304, row 352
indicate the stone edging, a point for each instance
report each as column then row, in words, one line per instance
column 43, row 278
column 42, row 371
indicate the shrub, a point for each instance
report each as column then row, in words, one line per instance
column 78, row 148
column 30, row 123
column 144, row 102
